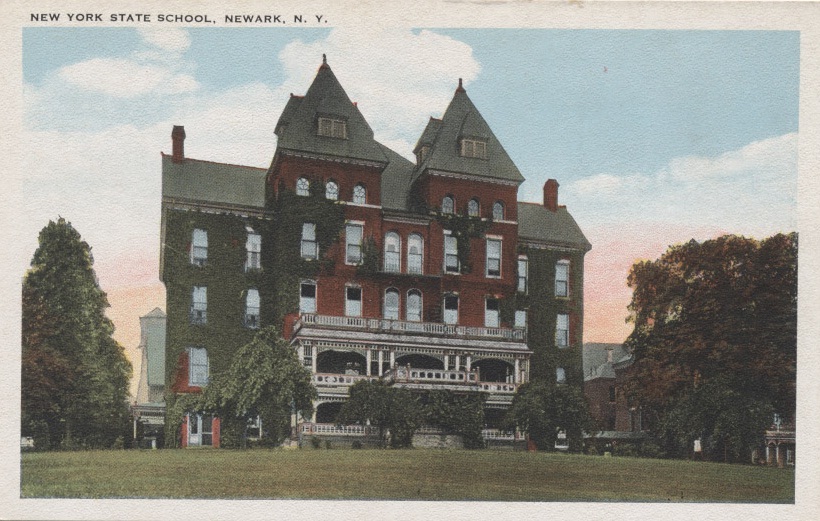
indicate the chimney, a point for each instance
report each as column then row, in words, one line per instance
column 178, row 144
column 551, row 195
column 609, row 355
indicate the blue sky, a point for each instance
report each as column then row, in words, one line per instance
column 655, row 137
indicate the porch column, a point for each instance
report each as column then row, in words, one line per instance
column 381, row 362
column 458, row 362
column 314, row 359
column 469, row 362
column 392, row 359
column 517, row 378
column 768, row 461
column 369, row 357
column 446, row 362
column 777, row 456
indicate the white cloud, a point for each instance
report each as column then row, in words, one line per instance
column 158, row 70
column 751, row 190
column 170, row 39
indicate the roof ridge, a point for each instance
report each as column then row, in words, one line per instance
column 217, row 162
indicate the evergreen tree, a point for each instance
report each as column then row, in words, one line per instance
column 74, row 374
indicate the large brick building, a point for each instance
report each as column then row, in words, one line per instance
column 430, row 274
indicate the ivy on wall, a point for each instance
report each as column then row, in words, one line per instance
column 464, row 229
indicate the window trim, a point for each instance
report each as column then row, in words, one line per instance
column 566, row 264
column 477, row 208
column 520, row 312
column 448, row 208
column 499, row 207
column 562, row 341
column 560, row 375
column 397, row 316
column 252, row 324
column 363, row 194
column 349, row 287
column 444, row 308
column 337, row 127
column 331, row 196
column 199, row 260
column 525, row 277
column 303, row 191
column 253, row 262
column 500, row 241
column 470, row 148
column 315, row 299
column 191, row 365
column 312, row 241
column 497, row 311
column 349, row 244
column 414, row 291
column 199, row 308
column 420, row 254
column 457, row 269
column 397, row 254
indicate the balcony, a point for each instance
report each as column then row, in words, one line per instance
column 378, row 325
column 410, row 375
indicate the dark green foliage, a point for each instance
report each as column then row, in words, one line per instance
column 74, row 374
column 265, row 379
column 464, row 229
column 370, row 258
column 542, row 410
column 715, row 341
column 390, row 409
column 461, row 414
column 290, row 212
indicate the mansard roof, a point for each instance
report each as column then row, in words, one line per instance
column 396, row 180
column 463, row 120
column 297, row 126
column 193, row 180
column 538, row 223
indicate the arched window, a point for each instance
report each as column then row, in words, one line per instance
column 473, row 208
column 302, row 187
column 392, row 252
column 391, row 304
column 331, row 191
column 448, row 204
column 413, row 308
column 415, row 253
column 498, row 211
column 359, row 194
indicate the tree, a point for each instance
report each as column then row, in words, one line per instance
column 461, row 414
column 265, row 379
column 390, row 409
column 715, row 321
column 74, row 374
column 542, row 410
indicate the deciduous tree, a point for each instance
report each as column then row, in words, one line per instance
column 715, row 320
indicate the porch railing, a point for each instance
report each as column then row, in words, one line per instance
column 402, row 326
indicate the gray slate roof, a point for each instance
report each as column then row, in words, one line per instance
column 462, row 119
column 296, row 127
column 595, row 360
column 396, row 180
column 538, row 223
column 218, row 183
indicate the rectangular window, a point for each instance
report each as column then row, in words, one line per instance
column 353, row 243
column 253, row 246
column 521, row 319
column 197, row 367
column 493, row 258
column 451, row 309
column 562, row 330
column 473, row 148
column 523, row 273
column 252, row 309
column 332, row 128
column 562, row 278
column 199, row 247
column 199, row 305
column 353, row 301
column 491, row 312
column 560, row 375
column 611, row 393
column 450, row 254
column 310, row 249
column 307, row 297
column 307, row 356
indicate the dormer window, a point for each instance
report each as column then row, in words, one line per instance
column 331, row 127
column 474, row 148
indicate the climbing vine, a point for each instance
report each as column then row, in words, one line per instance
column 464, row 229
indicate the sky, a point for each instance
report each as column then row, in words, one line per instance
column 656, row 137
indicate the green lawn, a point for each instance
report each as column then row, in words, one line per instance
column 395, row 474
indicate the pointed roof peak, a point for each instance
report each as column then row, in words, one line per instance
column 460, row 86
column 324, row 62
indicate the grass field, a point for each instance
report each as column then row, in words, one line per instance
column 407, row 474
